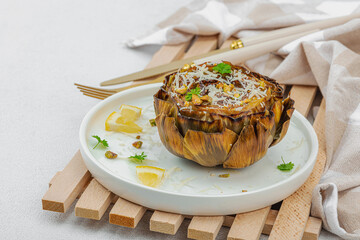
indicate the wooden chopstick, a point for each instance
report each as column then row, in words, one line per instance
column 241, row 55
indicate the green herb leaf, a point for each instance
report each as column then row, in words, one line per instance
column 138, row 158
column 285, row 166
column 103, row 142
column 222, row 68
column 195, row 91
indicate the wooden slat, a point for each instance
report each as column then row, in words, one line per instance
column 312, row 229
column 168, row 222
column 54, row 178
column 303, row 96
column 93, row 202
column 294, row 211
column 227, row 43
column 203, row 44
column 164, row 222
column 168, row 54
column 126, row 213
column 269, row 223
column 67, row 186
column 248, row 225
column 205, row 227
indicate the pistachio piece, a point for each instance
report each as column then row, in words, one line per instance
column 206, row 98
column 181, row 90
column 225, row 175
column 152, row 122
column 171, row 80
column 137, row 144
column 219, row 85
column 231, row 87
column 226, row 88
column 110, row 155
column 196, row 100
column 138, row 137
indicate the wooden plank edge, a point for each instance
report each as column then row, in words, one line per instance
column 125, row 213
column 94, row 201
column 165, row 222
column 248, row 225
column 205, row 227
column 304, row 97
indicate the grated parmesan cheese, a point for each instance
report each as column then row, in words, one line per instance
column 246, row 86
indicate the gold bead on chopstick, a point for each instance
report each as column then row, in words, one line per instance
column 186, row 67
column 237, row 44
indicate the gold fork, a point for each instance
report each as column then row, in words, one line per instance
column 101, row 93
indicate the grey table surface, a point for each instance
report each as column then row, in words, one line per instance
column 46, row 46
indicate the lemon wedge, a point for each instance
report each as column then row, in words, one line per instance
column 129, row 113
column 115, row 122
column 150, row 176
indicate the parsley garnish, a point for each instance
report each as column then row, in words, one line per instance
column 222, row 68
column 103, row 142
column 285, row 166
column 195, row 91
column 138, row 158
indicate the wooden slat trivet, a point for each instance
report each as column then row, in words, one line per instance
column 128, row 214
column 168, row 226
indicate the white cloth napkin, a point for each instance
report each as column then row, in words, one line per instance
column 329, row 59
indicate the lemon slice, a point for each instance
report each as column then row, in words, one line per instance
column 150, row 176
column 113, row 123
column 129, row 113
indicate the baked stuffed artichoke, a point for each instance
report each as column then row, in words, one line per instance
column 217, row 114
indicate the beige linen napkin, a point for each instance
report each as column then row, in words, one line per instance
column 239, row 18
column 329, row 59
column 333, row 64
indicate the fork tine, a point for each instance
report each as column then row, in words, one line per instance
column 95, row 92
column 104, row 93
column 94, row 96
column 95, row 89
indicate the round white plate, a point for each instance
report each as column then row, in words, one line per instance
column 189, row 188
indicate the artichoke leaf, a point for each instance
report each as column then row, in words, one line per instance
column 208, row 149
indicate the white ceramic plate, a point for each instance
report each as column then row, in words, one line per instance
column 190, row 188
